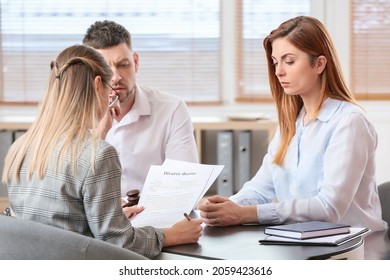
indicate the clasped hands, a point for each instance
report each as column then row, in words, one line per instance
column 220, row 211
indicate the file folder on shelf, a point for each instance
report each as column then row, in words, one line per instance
column 17, row 134
column 242, row 160
column 225, row 157
column 6, row 142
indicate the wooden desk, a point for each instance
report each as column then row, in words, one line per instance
column 23, row 122
column 241, row 243
column 16, row 122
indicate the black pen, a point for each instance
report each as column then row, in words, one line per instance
column 187, row 216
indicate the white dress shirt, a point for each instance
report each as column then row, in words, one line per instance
column 328, row 172
column 157, row 127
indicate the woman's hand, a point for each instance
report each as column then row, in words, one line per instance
column 184, row 232
column 105, row 123
column 131, row 211
column 221, row 211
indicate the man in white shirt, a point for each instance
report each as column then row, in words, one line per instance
column 150, row 125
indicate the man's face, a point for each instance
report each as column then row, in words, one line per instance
column 124, row 64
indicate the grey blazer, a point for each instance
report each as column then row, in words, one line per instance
column 87, row 202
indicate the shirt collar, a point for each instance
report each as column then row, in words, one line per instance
column 141, row 104
column 141, row 107
column 328, row 109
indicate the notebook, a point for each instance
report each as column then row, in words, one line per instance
column 332, row 240
column 307, row 229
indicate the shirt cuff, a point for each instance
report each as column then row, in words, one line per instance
column 266, row 213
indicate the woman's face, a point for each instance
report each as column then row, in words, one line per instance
column 293, row 69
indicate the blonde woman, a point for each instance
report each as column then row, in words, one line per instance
column 60, row 173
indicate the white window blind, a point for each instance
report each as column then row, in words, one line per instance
column 259, row 18
column 178, row 42
column 370, row 49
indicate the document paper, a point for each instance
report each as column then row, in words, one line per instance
column 172, row 189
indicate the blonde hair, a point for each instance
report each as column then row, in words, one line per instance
column 309, row 35
column 69, row 112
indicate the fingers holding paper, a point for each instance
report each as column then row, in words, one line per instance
column 131, row 211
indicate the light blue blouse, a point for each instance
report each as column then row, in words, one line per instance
column 328, row 172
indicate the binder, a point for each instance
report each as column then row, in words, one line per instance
column 17, row 134
column 6, row 141
column 225, row 157
column 242, row 160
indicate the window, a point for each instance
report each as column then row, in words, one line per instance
column 178, row 42
column 259, row 18
column 204, row 51
column 370, row 45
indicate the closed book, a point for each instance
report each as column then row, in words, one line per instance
column 307, row 230
column 332, row 240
